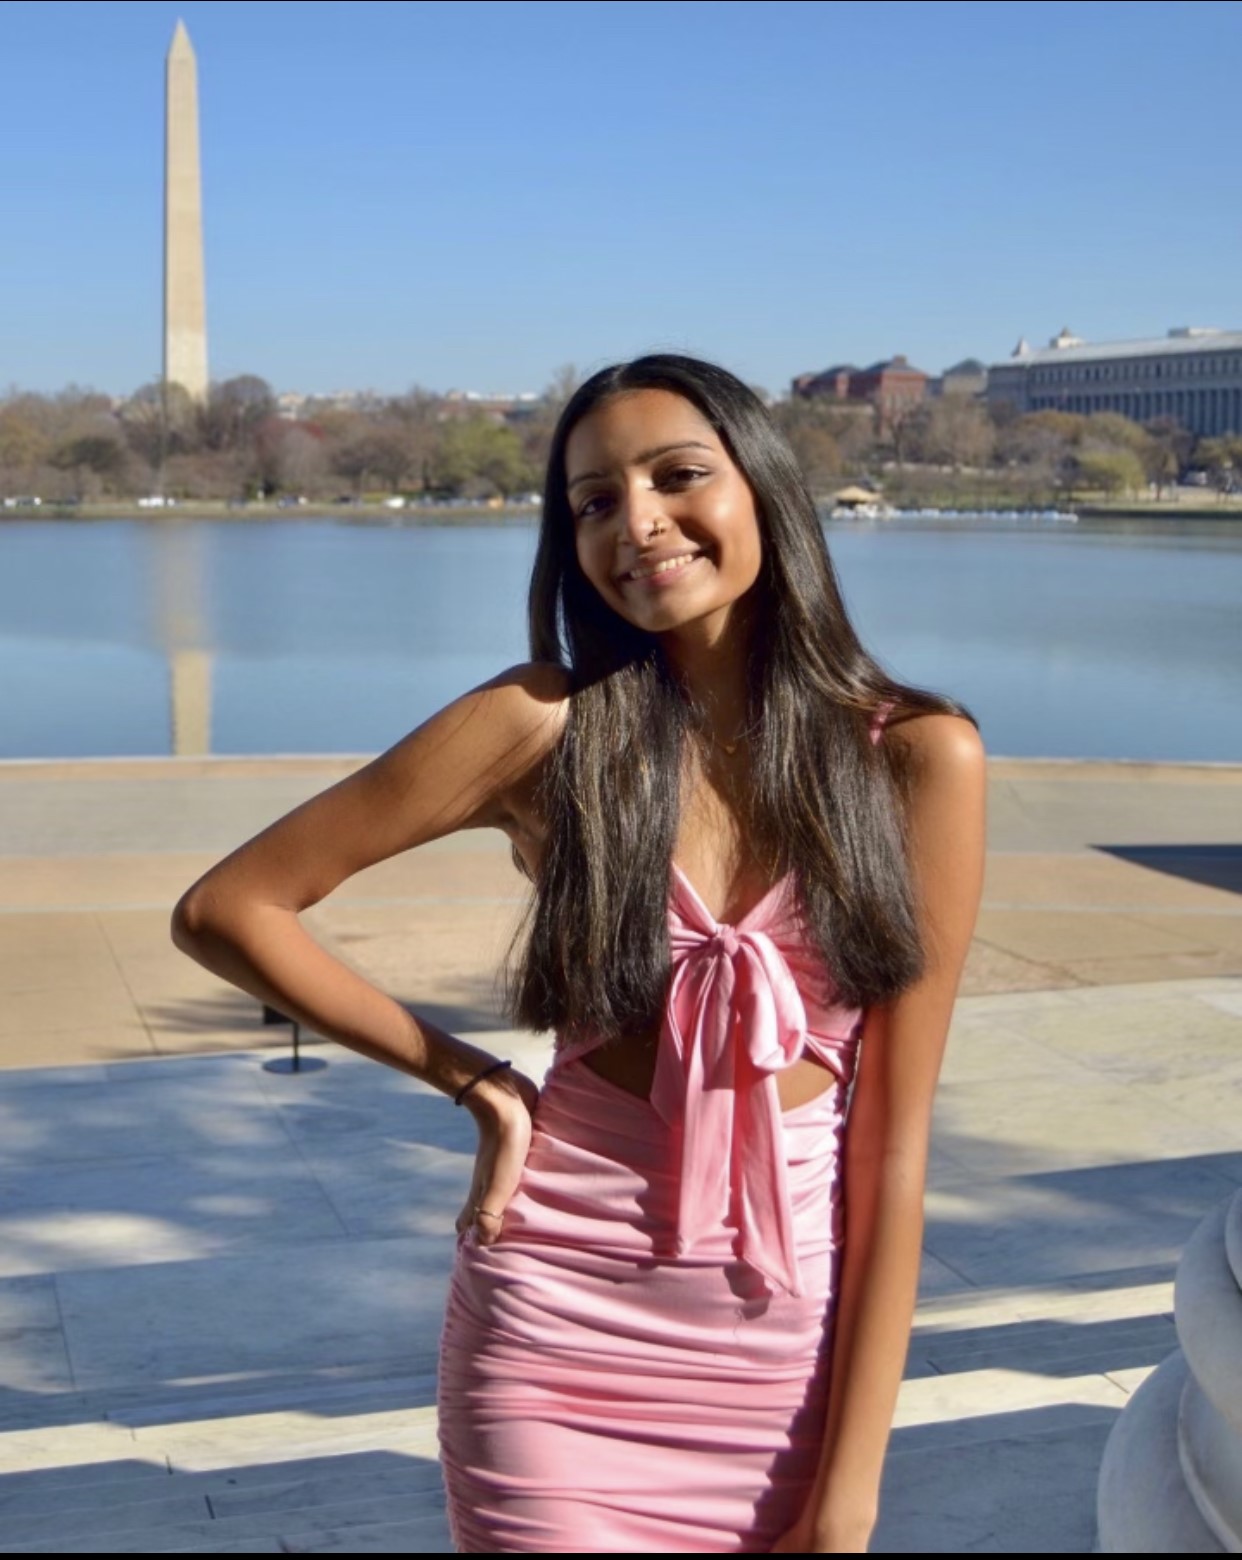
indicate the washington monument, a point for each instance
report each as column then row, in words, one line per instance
column 185, row 306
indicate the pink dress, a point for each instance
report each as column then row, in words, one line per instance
column 640, row 1363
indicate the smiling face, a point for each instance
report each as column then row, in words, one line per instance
column 664, row 522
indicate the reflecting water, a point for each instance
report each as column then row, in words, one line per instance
column 1104, row 640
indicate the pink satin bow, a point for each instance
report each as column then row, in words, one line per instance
column 735, row 1018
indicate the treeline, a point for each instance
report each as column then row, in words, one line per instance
column 82, row 446
column 956, row 443
column 238, row 445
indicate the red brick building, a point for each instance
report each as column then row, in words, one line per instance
column 832, row 382
column 891, row 387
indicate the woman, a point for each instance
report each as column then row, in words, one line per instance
column 683, row 1294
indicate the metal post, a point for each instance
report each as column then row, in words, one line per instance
column 295, row 1063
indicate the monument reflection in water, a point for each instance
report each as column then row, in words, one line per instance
column 180, row 623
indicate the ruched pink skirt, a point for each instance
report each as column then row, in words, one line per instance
column 595, row 1396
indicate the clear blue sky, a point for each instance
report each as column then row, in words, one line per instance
column 469, row 195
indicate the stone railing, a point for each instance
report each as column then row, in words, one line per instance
column 1171, row 1480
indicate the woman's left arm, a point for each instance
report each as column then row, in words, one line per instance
column 888, row 1136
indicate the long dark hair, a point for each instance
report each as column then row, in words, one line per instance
column 827, row 802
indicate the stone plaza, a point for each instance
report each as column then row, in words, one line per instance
column 220, row 1287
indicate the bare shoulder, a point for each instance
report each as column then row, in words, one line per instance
column 940, row 751
column 944, row 766
column 527, row 700
column 945, row 786
column 946, row 818
column 469, row 755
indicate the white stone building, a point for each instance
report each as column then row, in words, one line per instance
column 1192, row 375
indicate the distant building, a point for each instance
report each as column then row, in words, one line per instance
column 969, row 377
column 497, row 407
column 834, row 383
column 454, row 405
column 1192, row 376
column 294, row 405
column 891, row 387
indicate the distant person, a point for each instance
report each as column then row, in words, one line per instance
column 687, row 1265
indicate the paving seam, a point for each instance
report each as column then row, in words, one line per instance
column 64, row 1332
column 120, row 969
column 273, row 1108
column 1045, row 966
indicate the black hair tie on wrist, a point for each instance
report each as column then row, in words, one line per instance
column 487, row 1072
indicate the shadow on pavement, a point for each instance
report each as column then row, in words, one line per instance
column 1053, row 1348
column 304, row 1505
column 1014, row 1483
column 1212, row 866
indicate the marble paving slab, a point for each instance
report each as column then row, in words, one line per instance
column 206, row 1267
column 1024, row 1492
column 332, row 1303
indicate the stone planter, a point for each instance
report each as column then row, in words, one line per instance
column 1171, row 1479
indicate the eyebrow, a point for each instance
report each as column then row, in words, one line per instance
column 645, row 458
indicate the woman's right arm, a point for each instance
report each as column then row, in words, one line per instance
column 458, row 771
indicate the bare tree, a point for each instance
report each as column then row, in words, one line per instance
column 1221, row 458
column 560, row 388
column 385, row 452
column 24, row 442
column 953, row 431
column 235, row 410
column 95, row 460
column 421, row 414
column 899, row 421
column 291, row 457
column 1168, row 451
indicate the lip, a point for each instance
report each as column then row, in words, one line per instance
column 665, row 577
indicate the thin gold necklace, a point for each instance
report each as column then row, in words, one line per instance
column 729, row 749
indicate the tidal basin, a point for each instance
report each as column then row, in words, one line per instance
column 126, row 638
